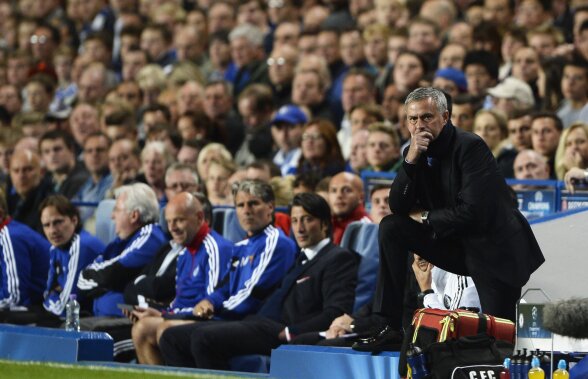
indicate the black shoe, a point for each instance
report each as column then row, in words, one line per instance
column 386, row 339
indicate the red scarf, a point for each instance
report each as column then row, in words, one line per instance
column 193, row 246
column 5, row 222
column 340, row 223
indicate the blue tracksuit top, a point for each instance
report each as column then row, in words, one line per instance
column 198, row 275
column 121, row 262
column 65, row 264
column 24, row 265
column 258, row 265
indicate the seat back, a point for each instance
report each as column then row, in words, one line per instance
column 104, row 224
column 363, row 239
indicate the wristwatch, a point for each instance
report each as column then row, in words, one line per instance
column 425, row 217
column 421, row 296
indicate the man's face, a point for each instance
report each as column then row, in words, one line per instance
column 344, row 195
column 525, row 65
column 328, row 46
column 452, row 56
column 130, row 92
column 530, row 166
column 217, row 102
column 188, row 155
column 133, row 62
column 220, row 17
column 96, row 154
column 153, row 165
column 544, row 44
column 391, row 101
column 381, row 149
column 408, row 71
column 574, row 83
column 190, row 97
column 84, row 121
column 253, row 213
column 478, row 78
column 307, row 229
column 545, row 136
column 462, row 116
column 25, row 173
column 376, row 50
column 153, row 43
column 380, row 207
column 351, row 47
column 9, row 99
column 252, row 118
column 358, row 154
column 125, row 222
column 58, row 228
column 281, row 67
column 423, row 115
column 38, row 98
column 446, row 85
column 286, row 34
column 519, row 132
column 188, row 47
column 356, row 91
column 121, row 160
column 422, row 38
column 56, row 156
column 287, row 136
column 497, row 11
column 306, row 89
column 242, row 51
column 182, row 224
column 180, row 181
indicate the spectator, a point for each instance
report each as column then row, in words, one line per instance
column 309, row 89
column 188, row 153
column 452, row 55
column 133, row 62
column 155, row 159
column 519, row 130
column 281, row 64
column 462, row 114
column 25, row 258
column 572, row 150
column 379, row 207
column 212, row 344
column 512, row 95
column 94, row 189
column 10, row 98
column 346, row 200
column 180, row 177
column 247, row 53
column 58, row 153
column 321, row 152
column 529, row 164
column 218, row 106
column 208, row 153
column 358, row 157
column 190, row 97
column 120, row 125
column 217, row 182
column 190, row 46
column 573, row 87
column 383, row 148
column 451, row 81
column 39, row 92
column 83, row 122
column 124, row 163
column 156, row 41
column 221, row 16
column 491, row 126
column 201, row 266
column 499, row 12
column 263, row 170
column 286, row 129
column 93, row 84
column 546, row 130
column 287, row 33
column 409, row 69
column 481, row 70
column 139, row 236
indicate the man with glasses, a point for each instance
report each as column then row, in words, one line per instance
column 181, row 178
column 281, row 64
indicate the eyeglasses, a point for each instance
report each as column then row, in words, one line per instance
column 280, row 61
column 35, row 39
column 311, row 136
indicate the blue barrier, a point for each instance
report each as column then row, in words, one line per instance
column 319, row 362
column 28, row 343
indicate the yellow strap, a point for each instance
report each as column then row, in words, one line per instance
column 417, row 326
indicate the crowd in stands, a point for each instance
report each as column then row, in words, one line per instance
column 175, row 107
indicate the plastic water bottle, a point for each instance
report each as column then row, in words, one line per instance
column 536, row 372
column 561, row 372
column 417, row 362
column 72, row 314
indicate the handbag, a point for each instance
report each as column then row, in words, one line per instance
column 478, row 356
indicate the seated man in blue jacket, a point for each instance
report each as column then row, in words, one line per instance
column 139, row 237
column 319, row 288
column 24, row 263
column 202, row 263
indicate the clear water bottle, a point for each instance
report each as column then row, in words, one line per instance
column 72, row 314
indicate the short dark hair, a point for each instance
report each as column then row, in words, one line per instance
column 551, row 115
column 378, row 187
column 206, row 206
column 482, row 58
column 67, row 139
column 63, row 206
column 315, row 205
column 309, row 179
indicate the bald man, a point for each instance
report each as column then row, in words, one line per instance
column 29, row 188
column 346, row 200
column 202, row 262
column 529, row 164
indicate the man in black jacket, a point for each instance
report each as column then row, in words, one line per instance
column 319, row 288
column 467, row 222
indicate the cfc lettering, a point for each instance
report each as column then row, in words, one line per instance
column 482, row 374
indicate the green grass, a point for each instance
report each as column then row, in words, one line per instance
column 35, row 370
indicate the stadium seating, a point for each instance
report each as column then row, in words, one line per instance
column 363, row 238
column 225, row 222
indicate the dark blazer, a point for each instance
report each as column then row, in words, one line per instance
column 470, row 206
column 312, row 295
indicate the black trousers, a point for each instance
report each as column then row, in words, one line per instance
column 211, row 344
column 400, row 236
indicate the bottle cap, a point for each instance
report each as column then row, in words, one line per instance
column 506, row 363
column 561, row 364
column 535, row 362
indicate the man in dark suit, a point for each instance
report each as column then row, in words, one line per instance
column 319, row 288
column 467, row 223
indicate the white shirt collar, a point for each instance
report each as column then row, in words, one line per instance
column 312, row 251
